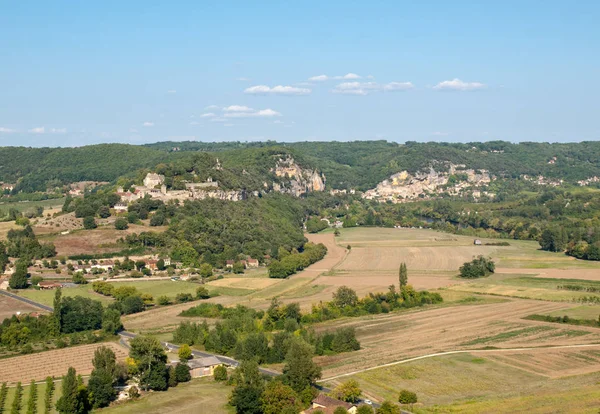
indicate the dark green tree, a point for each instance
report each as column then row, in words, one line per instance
column 89, row 223
column 32, row 401
column 299, row 370
column 17, row 399
column 403, row 276
column 18, row 280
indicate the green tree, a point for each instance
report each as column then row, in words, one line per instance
column 345, row 296
column 348, row 391
column 364, row 409
column 403, row 277
column 220, row 373
column 17, row 399
column 407, row 397
column 150, row 359
column 111, row 321
column 206, row 270
column 300, row 371
column 56, row 323
column 182, row 372
column 388, row 407
column 185, row 352
column 73, row 398
column 3, row 394
column 121, row 224
column 172, row 377
column 160, row 264
column 48, row 404
column 238, row 268
column 202, row 293
column 18, row 280
column 340, row 410
column 89, row 223
column 32, row 402
column 245, row 397
column 101, row 388
column 278, row 397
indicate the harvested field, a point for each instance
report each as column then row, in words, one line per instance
column 552, row 363
column 10, row 307
column 393, row 337
column 475, row 380
column 54, row 363
column 245, row 283
column 100, row 240
column 5, row 227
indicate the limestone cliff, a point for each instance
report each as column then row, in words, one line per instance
column 296, row 180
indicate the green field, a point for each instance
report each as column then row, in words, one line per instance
column 46, row 297
column 198, row 396
column 22, row 206
column 41, row 396
column 591, row 312
column 524, row 286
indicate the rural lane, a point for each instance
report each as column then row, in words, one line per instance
column 28, row 301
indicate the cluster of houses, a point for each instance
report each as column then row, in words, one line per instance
column 4, row 187
column 249, row 263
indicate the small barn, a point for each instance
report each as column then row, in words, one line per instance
column 200, row 367
column 477, row 242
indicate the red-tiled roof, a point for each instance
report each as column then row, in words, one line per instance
column 327, row 401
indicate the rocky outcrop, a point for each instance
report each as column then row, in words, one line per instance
column 405, row 186
column 296, row 180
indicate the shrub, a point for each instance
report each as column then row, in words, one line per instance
column 220, row 373
column 202, row 293
column 478, row 267
column 407, row 397
column 121, row 224
column 89, row 223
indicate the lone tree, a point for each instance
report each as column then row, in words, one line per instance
column 300, row 371
column 478, row 267
column 348, row 391
column 403, row 276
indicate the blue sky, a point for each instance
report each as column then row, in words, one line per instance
column 75, row 73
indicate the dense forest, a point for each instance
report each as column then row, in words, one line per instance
column 360, row 164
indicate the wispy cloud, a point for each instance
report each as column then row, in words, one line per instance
column 133, row 130
column 276, row 90
column 208, row 115
column 318, row 78
column 458, row 85
column 211, row 107
column 365, row 88
column 171, row 91
column 322, row 78
column 38, row 130
column 58, row 130
column 262, row 113
column 148, row 124
column 440, row 134
column 7, row 130
column 237, row 108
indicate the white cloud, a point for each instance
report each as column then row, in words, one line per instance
column 208, row 115
column 237, row 108
column 365, row 88
column 276, row 90
column 58, row 130
column 370, row 77
column 148, row 124
column 227, row 125
column 318, row 78
column 348, row 76
column 397, row 86
column 6, row 130
column 218, row 119
column 211, row 107
column 277, row 121
column 458, row 85
column 38, row 130
column 263, row 113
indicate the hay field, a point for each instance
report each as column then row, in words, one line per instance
column 461, row 380
column 10, row 306
column 46, row 297
column 394, row 337
column 54, row 363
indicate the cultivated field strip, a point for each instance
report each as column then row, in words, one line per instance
column 53, row 363
column 394, row 337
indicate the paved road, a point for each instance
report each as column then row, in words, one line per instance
column 28, row 301
column 129, row 335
